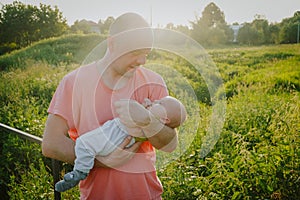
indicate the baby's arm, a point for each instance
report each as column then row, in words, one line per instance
column 136, row 130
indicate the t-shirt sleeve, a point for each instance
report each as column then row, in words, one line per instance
column 61, row 103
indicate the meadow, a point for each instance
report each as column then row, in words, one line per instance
column 256, row 157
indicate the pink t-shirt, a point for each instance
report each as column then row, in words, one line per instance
column 85, row 102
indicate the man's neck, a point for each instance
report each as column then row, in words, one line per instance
column 110, row 78
column 114, row 82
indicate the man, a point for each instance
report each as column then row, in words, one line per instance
column 89, row 96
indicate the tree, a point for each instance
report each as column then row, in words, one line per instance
column 183, row 29
column 257, row 32
column 50, row 22
column 212, row 16
column 21, row 24
column 105, row 25
column 262, row 27
column 84, row 26
column 274, row 33
column 289, row 29
column 211, row 28
column 248, row 35
column 288, row 33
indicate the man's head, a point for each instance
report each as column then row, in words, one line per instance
column 129, row 43
column 170, row 111
column 129, row 32
column 126, row 22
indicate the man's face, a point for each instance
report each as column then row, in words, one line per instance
column 129, row 62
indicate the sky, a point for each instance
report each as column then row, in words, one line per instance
column 162, row 12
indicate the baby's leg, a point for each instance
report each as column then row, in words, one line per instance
column 85, row 154
column 83, row 164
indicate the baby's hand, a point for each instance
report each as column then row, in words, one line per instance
column 147, row 102
column 132, row 113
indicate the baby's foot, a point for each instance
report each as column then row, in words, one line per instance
column 71, row 179
column 75, row 176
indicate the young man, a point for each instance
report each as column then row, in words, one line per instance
column 126, row 173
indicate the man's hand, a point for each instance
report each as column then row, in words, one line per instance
column 132, row 114
column 119, row 156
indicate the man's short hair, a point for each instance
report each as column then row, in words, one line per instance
column 130, row 32
column 127, row 21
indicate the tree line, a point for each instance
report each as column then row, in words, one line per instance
column 21, row 25
column 211, row 29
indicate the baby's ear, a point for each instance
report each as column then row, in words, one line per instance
column 165, row 120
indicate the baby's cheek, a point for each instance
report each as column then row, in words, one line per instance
column 158, row 111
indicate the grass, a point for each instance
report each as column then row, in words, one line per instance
column 256, row 156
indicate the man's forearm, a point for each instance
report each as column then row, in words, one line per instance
column 133, row 114
column 55, row 142
column 160, row 136
column 62, row 149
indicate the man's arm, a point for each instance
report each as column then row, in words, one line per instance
column 160, row 136
column 133, row 114
column 55, row 143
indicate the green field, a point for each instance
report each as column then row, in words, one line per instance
column 256, row 157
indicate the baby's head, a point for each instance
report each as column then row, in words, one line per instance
column 169, row 110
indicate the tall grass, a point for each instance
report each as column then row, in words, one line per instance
column 256, row 157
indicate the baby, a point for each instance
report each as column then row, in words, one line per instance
column 106, row 138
